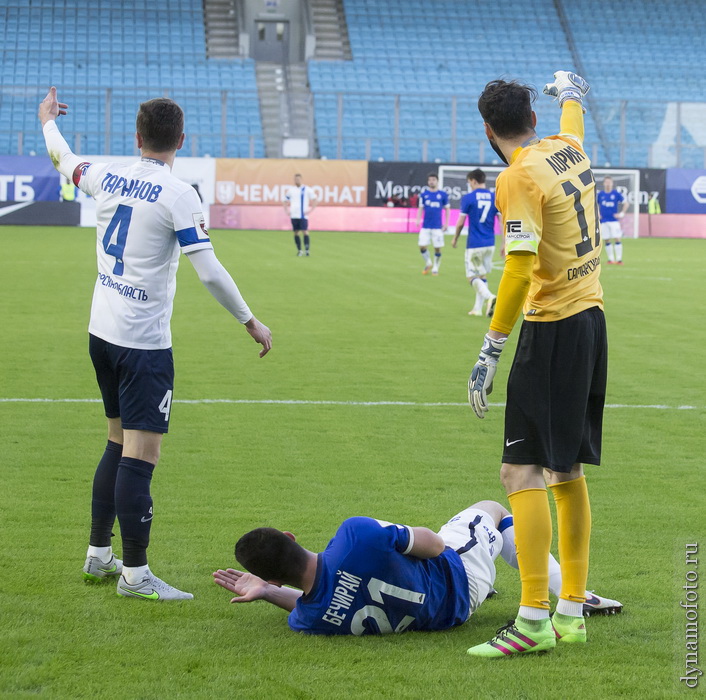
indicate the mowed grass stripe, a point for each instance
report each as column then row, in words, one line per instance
column 358, row 321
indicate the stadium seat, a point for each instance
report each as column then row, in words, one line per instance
column 106, row 58
column 457, row 48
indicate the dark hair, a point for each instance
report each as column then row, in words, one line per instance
column 507, row 107
column 478, row 175
column 160, row 122
column 271, row 555
column 436, row 175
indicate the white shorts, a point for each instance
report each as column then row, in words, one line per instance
column 611, row 229
column 484, row 542
column 435, row 236
column 479, row 261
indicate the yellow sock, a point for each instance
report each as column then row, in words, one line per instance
column 573, row 511
column 533, row 539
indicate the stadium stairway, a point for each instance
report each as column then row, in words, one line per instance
column 222, row 30
column 330, row 29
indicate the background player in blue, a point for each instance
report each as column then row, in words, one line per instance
column 435, row 205
column 479, row 206
column 146, row 217
column 376, row 577
column 612, row 206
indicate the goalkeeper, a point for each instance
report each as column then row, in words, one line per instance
column 556, row 387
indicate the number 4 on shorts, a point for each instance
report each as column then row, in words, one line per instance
column 166, row 405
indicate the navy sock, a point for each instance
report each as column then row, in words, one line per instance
column 103, row 502
column 134, row 507
column 306, row 241
column 298, row 241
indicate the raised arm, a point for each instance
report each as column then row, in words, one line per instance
column 63, row 159
column 224, row 289
column 572, row 121
column 570, row 90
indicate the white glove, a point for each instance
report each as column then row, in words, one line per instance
column 480, row 383
column 567, row 86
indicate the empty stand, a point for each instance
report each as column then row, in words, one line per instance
column 107, row 58
column 436, row 57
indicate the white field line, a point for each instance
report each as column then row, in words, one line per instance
column 303, row 402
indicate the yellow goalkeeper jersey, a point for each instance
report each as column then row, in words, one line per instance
column 547, row 199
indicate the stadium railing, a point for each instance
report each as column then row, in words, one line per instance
column 102, row 120
column 420, row 127
column 442, row 128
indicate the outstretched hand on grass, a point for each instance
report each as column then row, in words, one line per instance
column 50, row 108
column 247, row 587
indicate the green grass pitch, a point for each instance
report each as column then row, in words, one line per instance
column 356, row 322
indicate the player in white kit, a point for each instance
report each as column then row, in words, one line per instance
column 298, row 203
column 145, row 217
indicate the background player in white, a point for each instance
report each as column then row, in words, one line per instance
column 299, row 202
column 479, row 206
column 435, row 205
column 612, row 207
column 376, row 577
column 145, row 216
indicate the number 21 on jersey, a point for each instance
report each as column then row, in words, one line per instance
column 376, row 588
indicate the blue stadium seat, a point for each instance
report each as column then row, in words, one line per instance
column 404, row 48
column 105, row 56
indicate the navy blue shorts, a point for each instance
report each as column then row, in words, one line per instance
column 300, row 224
column 136, row 385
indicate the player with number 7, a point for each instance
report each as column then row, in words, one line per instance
column 146, row 217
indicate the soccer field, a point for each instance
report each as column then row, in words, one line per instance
column 360, row 409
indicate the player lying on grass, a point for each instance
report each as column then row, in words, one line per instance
column 375, row 577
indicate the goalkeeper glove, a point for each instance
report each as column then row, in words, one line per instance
column 567, row 86
column 480, row 383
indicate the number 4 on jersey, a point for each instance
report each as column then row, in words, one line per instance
column 121, row 222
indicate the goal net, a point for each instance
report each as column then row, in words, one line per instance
column 452, row 178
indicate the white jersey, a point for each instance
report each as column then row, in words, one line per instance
column 299, row 199
column 144, row 216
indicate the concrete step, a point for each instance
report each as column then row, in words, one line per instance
column 221, row 31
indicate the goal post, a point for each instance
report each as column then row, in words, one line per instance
column 452, row 178
column 627, row 182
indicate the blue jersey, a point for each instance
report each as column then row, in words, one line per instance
column 608, row 205
column 433, row 203
column 366, row 584
column 479, row 207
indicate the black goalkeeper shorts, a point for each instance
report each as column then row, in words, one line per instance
column 556, row 392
